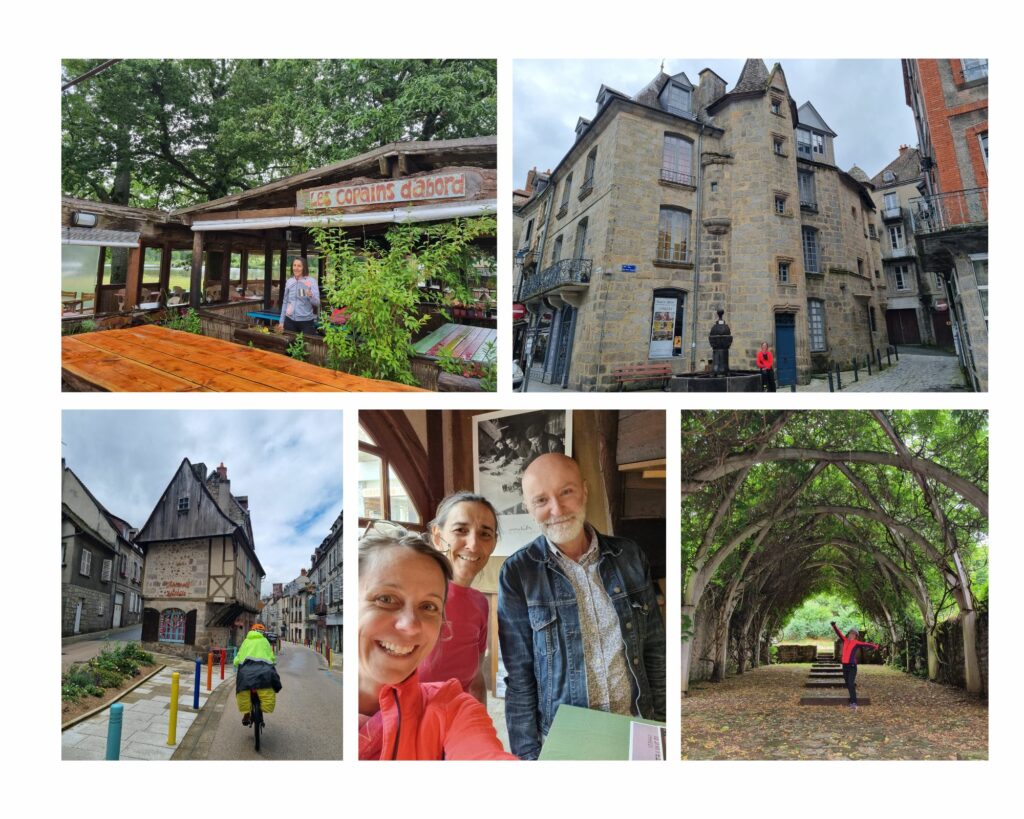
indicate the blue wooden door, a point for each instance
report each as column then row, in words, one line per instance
column 785, row 348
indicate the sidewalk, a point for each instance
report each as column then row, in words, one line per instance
column 146, row 715
column 916, row 371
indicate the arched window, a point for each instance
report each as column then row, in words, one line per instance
column 172, row 626
column 382, row 494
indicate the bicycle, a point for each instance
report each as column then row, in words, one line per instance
column 256, row 715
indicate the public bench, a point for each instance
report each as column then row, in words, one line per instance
column 641, row 372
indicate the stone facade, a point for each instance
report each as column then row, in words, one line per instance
column 697, row 209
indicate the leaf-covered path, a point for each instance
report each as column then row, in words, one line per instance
column 756, row 716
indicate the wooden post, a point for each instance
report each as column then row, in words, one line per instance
column 268, row 272
column 99, row 279
column 133, row 280
column 283, row 270
column 225, row 274
column 196, row 281
column 165, row 272
column 244, row 271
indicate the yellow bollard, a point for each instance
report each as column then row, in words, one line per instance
column 172, row 724
column 209, row 671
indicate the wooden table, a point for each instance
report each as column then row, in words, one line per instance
column 155, row 359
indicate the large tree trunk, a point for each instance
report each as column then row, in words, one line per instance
column 686, row 647
column 932, row 652
column 972, row 667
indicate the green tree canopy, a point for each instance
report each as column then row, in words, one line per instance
column 168, row 133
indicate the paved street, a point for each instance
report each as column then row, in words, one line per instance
column 306, row 724
column 146, row 714
column 916, row 371
column 82, row 650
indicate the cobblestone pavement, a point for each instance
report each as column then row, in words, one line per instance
column 146, row 715
column 914, row 372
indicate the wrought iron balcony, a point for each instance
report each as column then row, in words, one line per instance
column 674, row 254
column 564, row 274
column 949, row 211
column 899, row 252
column 892, row 214
column 677, row 177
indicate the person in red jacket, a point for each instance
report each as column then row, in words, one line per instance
column 849, row 659
column 765, row 362
column 403, row 586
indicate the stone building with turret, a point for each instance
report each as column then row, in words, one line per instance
column 686, row 198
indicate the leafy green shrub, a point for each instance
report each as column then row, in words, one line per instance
column 187, row 321
column 379, row 284
column 297, row 349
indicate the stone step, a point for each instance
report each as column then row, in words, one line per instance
column 825, row 665
column 838, row 674
column 833, row 701
column 824, row 684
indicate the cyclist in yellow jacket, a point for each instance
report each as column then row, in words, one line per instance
column 255, row 649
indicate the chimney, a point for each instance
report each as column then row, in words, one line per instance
column 302, row 572
column 904, row 149
column 222, row 471
column 709, row 88
column 243, row 501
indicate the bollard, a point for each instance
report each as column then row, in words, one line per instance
column 831, row 388
column 114, row 731
column 855, row 374
column 839, row 378
column 888, row 355
column 195, row 688
column 223, row 655
column 172, row 722
column 896, row 350
column 878, row 358
column 867, row 361
column 330, row 657
column 792, row 387
column 209, row 671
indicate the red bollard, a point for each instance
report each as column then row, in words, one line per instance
column 209, row 671
column 223, row 652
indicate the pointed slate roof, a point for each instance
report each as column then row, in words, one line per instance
column 808, row 115
column 906, row 168
column 753, row 77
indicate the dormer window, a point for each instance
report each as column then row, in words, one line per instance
column 888, row 177
column 809, row 143
column 677, row 100
column 776, row 105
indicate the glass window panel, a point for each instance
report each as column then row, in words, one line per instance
column 401, row 504
column 365, row 436
column 371, row 501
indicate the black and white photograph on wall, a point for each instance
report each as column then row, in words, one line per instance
column 504, row 443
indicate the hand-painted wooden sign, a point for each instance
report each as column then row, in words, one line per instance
column 418, row 188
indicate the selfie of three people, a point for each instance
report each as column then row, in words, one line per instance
column 511, row 583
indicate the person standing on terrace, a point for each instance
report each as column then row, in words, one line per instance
column 849, row 659
column 300, row 307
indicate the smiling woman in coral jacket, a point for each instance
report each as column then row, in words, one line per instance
column 403, row 585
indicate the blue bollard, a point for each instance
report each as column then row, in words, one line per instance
column 195, row 688
column 831, row 388
column 114, row 731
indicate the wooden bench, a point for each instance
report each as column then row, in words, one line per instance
column 642, row 372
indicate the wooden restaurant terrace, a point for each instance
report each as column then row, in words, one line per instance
column 237, row 252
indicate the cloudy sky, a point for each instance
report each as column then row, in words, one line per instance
column 288, row 463
column 861, row 100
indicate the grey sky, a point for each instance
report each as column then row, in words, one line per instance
column 288, row 463
column 861, row 100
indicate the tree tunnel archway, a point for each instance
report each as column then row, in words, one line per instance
column 890, row 507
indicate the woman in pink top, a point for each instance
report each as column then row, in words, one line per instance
column 466, row 529
column 849, row 659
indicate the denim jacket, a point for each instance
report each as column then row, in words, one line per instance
column 539, row 632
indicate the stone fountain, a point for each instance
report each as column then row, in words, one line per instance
column 721, row 378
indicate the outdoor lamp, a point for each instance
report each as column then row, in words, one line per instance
column 82, row 219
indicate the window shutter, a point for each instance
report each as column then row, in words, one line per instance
column 108, row 570
column 85, row 567
column 123, row 565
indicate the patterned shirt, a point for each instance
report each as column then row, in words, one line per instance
column 609, row 687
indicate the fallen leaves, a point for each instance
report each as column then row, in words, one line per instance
column 756, row 716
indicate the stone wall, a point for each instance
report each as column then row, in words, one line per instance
column 96, row 611
column 796, row 654
column 949, row 636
